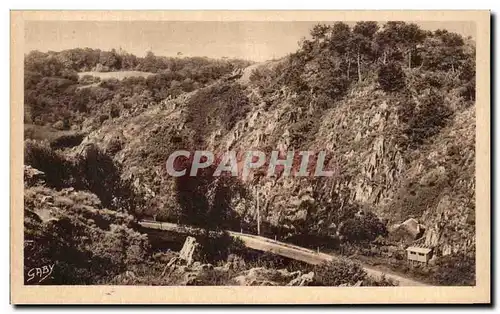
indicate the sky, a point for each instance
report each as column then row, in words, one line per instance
column 256, row 41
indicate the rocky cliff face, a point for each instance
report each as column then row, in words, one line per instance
column 364, row 137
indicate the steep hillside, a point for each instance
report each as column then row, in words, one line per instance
column 434, row 183
column 392, row 107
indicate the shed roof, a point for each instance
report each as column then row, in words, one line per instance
column 417, row 249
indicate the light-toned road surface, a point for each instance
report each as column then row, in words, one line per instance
column 280, row 248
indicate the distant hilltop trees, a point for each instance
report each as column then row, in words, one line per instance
column 54, row 93
column 87, row 59
column 337, row 55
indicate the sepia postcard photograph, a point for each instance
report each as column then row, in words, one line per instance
column 250, row 157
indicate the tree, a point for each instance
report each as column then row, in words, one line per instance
column 413, row 36
column 339, row 43
column 149, row 63
column 361, row 42
column 129, row 61
column 98, row 173
column 444, row 51
column 340, row 35
column 399, row 37
column 110, row 60
column 319, row 31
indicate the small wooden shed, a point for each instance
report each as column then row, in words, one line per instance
column 419, row 254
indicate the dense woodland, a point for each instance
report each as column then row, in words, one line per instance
column 92, row 234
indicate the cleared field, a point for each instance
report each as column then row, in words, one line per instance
column 271, row 64
column 119, row 75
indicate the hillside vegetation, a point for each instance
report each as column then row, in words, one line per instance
column 392, row 104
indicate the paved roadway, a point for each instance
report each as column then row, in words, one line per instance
column 280, row 248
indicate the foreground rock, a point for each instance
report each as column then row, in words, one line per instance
column 185, row 270
column 189, row 250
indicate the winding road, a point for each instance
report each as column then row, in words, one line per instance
column 280, row 248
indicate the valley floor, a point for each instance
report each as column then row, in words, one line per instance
column 289, row 251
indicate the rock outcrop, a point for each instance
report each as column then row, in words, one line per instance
column 189, row 250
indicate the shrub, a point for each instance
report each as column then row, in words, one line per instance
column 428, row 118
column 89, row 244
column 111, row 84
column 103, row 117
column 456, row 270
column 366, row 227
column 114, row 146
column 303, row 131
column 468, row 91
column 331, row 83
column 58, row 171
column 262, row 77
column 213, row 277
column 114, row 111
column 219, row 245
column 338, row 272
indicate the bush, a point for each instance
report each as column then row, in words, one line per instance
column 331, row 83
column 391, row 77
column 456, row 270
column 261, row 77
column 338, row 272
column 366, row 227
column 427, row 119
column 114, row 111
column 303, row 131
column 115, row 145
column 218, row 246
column 468, row 91
column 213, row 277
column 58, row 171
column 103, row 117
column 59, row 125
column 88, row 244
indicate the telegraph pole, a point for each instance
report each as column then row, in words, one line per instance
column 258, row 212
